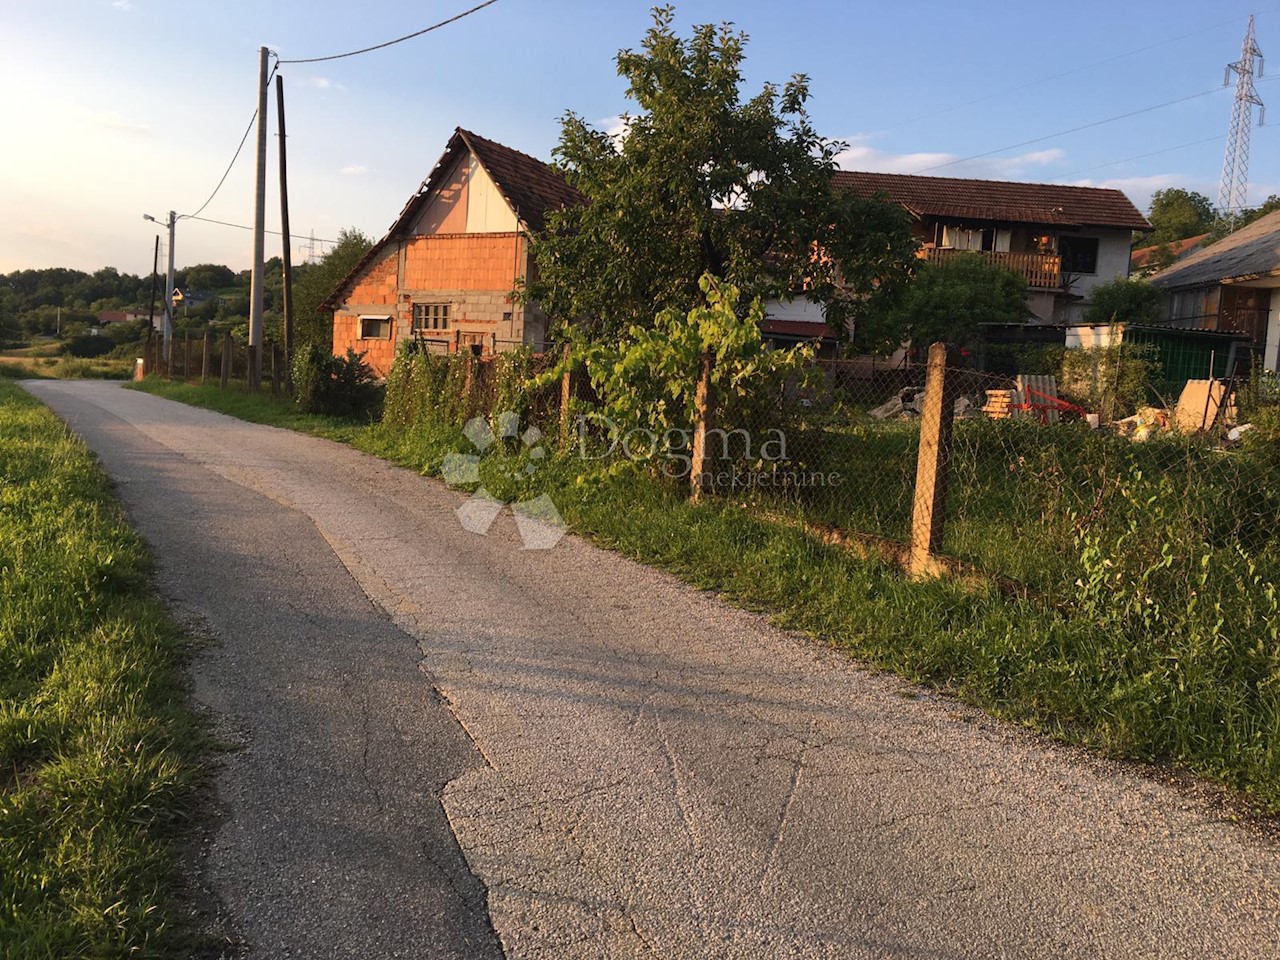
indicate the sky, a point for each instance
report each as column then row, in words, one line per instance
column 117, row 108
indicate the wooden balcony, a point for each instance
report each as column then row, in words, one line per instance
column 1042, row 270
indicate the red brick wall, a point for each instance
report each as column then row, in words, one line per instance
column 463, row 264
column 466, row 261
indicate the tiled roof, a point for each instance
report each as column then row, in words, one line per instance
column 1031, row 203
column 532, row 187
column 1252, row 251
column 1142, row 256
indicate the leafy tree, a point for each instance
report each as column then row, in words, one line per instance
column 1124, row 301
column 1226, row 225
column 1176, row 214
column 947, row 300
column 209, row 276
column 706, row 183
column 313, row 282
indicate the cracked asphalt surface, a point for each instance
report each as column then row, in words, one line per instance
column 453, row 747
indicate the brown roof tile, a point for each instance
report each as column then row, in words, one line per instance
column 1032, row 203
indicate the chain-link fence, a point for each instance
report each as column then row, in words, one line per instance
column 1047, row 485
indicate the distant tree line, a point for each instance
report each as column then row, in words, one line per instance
column 57, row 301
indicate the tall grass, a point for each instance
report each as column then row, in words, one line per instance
column 1133, row 663
column 98, row 753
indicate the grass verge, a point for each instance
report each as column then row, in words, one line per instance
column 98, row 753
column 1207, row 700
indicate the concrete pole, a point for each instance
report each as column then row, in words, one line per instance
column 168, row 294
column 259, row 231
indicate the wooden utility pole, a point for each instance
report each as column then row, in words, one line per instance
column 259, row 231
column 932, row 464
column 286, row 258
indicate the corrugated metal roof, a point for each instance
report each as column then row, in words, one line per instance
column 1031, row 203
column 1252, row 251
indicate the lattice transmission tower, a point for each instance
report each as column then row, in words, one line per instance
column 1234, row 189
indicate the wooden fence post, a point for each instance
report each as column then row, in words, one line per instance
column 207, row 359
column 275, row 369
column 932, row 464
column 704, row 418
column 186, row 357
column 226, row 359
column 566, row 397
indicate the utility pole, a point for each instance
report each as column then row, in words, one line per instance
column 286, row 259
column 1234, row 188
column 168, row 295
column 155, row 275
column 259, row 231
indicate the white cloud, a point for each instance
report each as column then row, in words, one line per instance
column 861, row 156
column 123, row 5
column 113, row 121
column 323, row 83
column 354, row 170
column 616, row 126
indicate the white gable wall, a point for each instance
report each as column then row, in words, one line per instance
column 467, row 201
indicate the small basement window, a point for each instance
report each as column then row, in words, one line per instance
column 430, row 316
column 375, row 328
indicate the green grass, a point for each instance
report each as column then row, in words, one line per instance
column 98, row 753
column 261, row 407
column 1173, row 663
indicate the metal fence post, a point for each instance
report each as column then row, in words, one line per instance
column 704, row 415
column 936, row 421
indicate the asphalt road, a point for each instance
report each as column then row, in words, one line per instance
column 455, row 747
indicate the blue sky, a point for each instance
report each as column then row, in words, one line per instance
column 115, row 108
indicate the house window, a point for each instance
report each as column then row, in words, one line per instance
column 375, row 328
column 1079, row 254
column 430, row 316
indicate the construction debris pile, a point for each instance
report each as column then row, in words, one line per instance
column 1202, row 406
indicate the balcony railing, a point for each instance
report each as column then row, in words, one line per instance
column 1042, row 270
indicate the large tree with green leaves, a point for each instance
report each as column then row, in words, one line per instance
column 703, row 182
column 1176, row 214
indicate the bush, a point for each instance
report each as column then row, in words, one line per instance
column 89, row 345
column 336, row 386
column 1124, row 301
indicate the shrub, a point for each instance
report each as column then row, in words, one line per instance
column 336, row 386
column 89, row 345
column 1124, row 301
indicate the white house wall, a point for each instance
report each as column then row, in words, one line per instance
column 487, row 209
column 1271, row 358
column 466, row 201
column 801, row 310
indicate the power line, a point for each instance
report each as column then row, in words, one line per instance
column 1058, row 76
column 1063, row 133
column 1141, row 156
column 226, row 173
column 389, row 43
column 241, row 226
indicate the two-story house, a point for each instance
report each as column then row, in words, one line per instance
column 1065, row 240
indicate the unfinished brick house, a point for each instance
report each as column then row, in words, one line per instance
column 447, row 268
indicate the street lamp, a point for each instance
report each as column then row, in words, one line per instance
column 168, row 289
